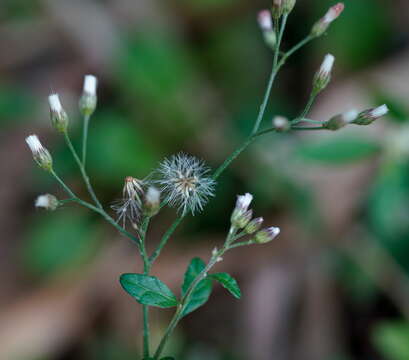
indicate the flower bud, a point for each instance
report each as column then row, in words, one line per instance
column 241, row 215
column 254, row 225
column 323, row 76
column 152, row 202
column 339, row 121
column 288, row 6
column 369, row 116
column 47, row 202
column 322, row 25
column 266, row 235
column 40, row 154
column 281, row 124
column 58, row 116
column 277, row 8
column 88, row 100
column 266, row 24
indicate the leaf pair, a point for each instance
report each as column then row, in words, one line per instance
column 149, row 290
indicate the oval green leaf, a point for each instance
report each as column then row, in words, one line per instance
column 148, row 290
column 228, row 283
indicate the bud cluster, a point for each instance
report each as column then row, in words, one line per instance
column 322, row 25
column 241, row 218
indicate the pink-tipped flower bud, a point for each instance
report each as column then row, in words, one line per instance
column 265, row 22
column 47, row 202
column 323, row 76
column 40, row 154
column 58, row 116
column 369, row 116
column 88, row 100
column 281, row 124
column 254, row 225
column 322, row 25
column 266, row 235
column 339, row 121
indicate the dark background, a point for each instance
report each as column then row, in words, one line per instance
column 189, row 75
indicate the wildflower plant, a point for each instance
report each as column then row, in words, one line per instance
column 186, row 183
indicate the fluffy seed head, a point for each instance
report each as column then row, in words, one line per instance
column 185, row 181
column 59, row 118
column 47, row 202
column 369, row 116
column 40, row 154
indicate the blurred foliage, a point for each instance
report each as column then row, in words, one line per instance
column 392, row 340
column 58, row 241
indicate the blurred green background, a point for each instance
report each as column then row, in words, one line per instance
column 189, row 75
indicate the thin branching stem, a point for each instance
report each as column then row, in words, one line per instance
column 82, row 170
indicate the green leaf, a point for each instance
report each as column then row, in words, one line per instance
column 391, row 339
column 148, row 290
column 338, row 150
column 203, row 290
column 228, row 283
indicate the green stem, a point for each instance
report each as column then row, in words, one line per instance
column 273, row 75
column 297, row 47
column 165, row 238
column 303, row 128
column 63, row 185
column 82, row 169
column 145, row 308
column 310, row 102
column 185, row 299
column 85, row 139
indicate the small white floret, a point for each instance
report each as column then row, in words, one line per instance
column 54, row 102
column 34, row 144
column 379, row 111
column 90, row 84
column 327, row 65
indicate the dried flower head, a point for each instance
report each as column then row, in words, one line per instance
column 130, row 206
column 47, row 202
column 322, row 25
column 58, row 116
column 185, row 182
column 40, row 154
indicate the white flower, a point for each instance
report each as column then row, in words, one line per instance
column 152, row 201
column 40, row 153
column 59, row 118
column 54, row 102
column 90, row 84
column 47, row 201
column 264, row 20
column 243, row 202
column 185, row 181
column 379, row 111
column 369, row 116
column 323, row 76
column 130, row 206
column 267, row 235
column 327, row 65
